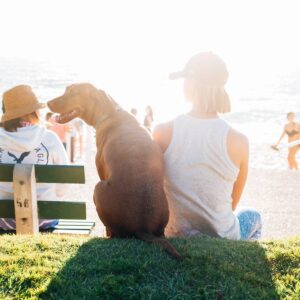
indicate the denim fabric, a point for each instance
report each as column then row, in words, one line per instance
column 250, row 223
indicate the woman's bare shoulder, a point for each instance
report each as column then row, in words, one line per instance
column 237, row 137
column 162, row 134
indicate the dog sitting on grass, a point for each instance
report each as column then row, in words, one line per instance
column 130, row 198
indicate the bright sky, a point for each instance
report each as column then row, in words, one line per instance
column 129, row 47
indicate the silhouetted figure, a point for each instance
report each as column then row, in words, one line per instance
column 148, row 120
column 134, row 111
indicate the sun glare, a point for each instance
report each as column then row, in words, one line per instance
column 130, row 47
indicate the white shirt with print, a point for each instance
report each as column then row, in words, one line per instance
column 32, row 145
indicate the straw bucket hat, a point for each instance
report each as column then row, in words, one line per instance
column 18, row 102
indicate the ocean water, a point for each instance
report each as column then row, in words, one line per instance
column 259, row 105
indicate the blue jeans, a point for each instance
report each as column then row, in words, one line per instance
column 250, row 223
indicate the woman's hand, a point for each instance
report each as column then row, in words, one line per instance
column 275, row 147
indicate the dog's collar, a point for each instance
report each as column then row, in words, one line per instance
column 104, row 117
column 101, row 120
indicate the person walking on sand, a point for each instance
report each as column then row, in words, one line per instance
column 206, row 160
column 77, row 140
column 292, row 130
column 134, row 111
column 148, row 120
column 24, row 140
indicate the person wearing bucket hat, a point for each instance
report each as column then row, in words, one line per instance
column 24, row 140
column 206, row 160
column 18, row 102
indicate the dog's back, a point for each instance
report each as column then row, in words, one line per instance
column 134, row 168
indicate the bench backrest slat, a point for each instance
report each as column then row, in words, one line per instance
column 48, row 209
column 48, row 173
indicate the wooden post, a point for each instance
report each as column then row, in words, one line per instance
column 24, row 184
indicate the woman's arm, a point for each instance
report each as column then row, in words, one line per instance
column 281, row 137
column 238, row 150
column 239, row 185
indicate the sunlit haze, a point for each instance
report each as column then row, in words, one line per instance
column 130, row 47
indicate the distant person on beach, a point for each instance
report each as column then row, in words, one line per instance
column 24, row 140
column 77, row 136
column 292, row 130
column 134, row 111
column 148, row 120
column 60, row 129
column 206, row 160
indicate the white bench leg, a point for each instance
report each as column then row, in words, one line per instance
column 26, row 212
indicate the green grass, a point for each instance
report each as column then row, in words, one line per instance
column 57, row 267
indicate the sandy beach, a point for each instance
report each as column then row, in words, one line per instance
column 274, row 193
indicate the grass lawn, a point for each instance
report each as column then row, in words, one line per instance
column 65, row 267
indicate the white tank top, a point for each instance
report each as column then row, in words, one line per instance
column 199, row 179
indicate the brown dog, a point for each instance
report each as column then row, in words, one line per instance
column 130, row 198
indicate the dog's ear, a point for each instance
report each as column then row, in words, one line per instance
column 116, row 104
column 104, row 101
column 69, row 88
column 103, row 95
column 110, row 99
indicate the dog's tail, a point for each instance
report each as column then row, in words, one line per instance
column 162, row 242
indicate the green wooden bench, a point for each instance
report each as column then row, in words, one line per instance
column 26, row 209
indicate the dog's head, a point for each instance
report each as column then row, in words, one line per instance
column 83, row 101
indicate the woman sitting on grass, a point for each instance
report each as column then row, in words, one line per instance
column 23, row 140
column 206, row 160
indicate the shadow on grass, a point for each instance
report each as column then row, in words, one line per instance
column 131, row 269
